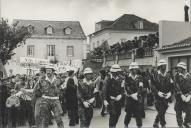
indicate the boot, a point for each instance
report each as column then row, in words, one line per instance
column 181, row 126
column 163, row 126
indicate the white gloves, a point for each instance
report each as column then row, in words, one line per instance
column 113, row 98
column 118, row 97
column 105, row 103
column 134, row 96
column 86, row 104
column 91, row 100
column 161, row 94
column 183, row 97
column 95, row 90
column 186, row 98
column 168, row 95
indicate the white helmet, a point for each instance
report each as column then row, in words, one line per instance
column 161, row 62
column 115, row 68
column 50, row 67
column 133, row 65
column 182, row 65
column 87, row 71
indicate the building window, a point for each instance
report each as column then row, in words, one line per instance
column 49, row 30
column 67, row 31
column 30, row 50
column 51, row 50
column 70, row 51
column 140, row 25
column 98, row 44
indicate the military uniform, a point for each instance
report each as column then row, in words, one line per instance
column 100, row 83
column 134, row 85
column 183, row 87
column 114, row 88
column 162, row 83
column 50, row 90
column 85, row 93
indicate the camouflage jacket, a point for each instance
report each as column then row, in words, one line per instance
column 49, row 88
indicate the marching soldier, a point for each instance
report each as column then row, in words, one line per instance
column 50, row 90
column 86, row 98
column 183, row 95
column 162, row 85
column 100, row 83
column 113, row 94
column 134, row 97
column 37, row 97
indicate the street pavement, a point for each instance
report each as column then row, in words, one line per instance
column 102, row 122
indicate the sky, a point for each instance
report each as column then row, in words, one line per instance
column 88, row 12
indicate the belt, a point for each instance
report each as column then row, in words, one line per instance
column 50, row 97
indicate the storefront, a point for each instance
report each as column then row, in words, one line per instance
column 177, row 52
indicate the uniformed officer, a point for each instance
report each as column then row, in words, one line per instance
column 50, row 90
column 37, row 97
column 100, row 82
column 162, row 85
column 86, row 98
column 183, row 95
column 113, row 95
column 134, row 98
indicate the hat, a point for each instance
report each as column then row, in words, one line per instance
column 182, row 65
column 161, row 62
column 115, row 68
column 50, row 67
column 133, row 65
column 87, row 71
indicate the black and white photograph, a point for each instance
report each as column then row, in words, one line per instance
column 95, row 63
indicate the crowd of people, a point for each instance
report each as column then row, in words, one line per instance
column 46, row 96
column 140, row 43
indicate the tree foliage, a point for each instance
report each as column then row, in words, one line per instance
column 11, row 37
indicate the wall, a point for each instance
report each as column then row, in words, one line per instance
column 173, row 31
column 40, row 48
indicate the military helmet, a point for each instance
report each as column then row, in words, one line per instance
column 115, row 68
column 87, row 71
column 161, row 62
column 182, row 65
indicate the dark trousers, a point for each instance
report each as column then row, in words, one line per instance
column 73, row 116
column 12, row 117
column 30, row 113
column 114, row 112
column 161, row 107
column 85, row 115
column 133, row 109
column 181, row 107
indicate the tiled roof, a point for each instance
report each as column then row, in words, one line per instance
column 58, row 28
column 180, row 44
column 128, row 22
